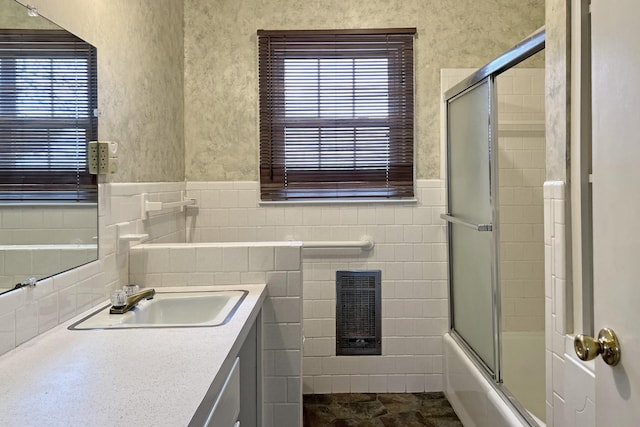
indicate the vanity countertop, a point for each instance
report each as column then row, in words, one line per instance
column 137, row 377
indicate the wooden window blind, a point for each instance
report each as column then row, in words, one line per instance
column 48, row 99
column 336, row 114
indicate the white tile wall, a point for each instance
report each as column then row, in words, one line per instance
column 276, row 264
column 521, row 163
column 30, row 311
column 47, row 225
column 38, row 240
column 410, row 249
column 414, row 279
column 556, row 312
column 19, row 262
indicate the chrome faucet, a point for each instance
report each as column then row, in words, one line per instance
column 132, row 300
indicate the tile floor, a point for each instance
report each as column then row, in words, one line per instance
column 379, row 410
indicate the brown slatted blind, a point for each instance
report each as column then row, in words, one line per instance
column 48, row 95
column 336, row 114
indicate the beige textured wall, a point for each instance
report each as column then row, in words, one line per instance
column 221, row 123
column 140, row 74
column 557, row 106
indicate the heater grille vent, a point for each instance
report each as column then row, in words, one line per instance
column 358, row 313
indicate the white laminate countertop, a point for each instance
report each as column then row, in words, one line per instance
column 136, row 377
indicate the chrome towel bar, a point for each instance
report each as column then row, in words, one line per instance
column 477, row 227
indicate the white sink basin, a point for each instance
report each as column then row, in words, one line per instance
column 170, row 310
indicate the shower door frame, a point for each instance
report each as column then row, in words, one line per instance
column 520, row 52
column 493, row 372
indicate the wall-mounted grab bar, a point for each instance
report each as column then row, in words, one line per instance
column 477, row 227
column 365, row 244
column 148, row 206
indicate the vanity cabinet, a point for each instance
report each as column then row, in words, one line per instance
column 226, row 409
column 234, row 398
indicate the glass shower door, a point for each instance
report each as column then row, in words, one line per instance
column 470, row 218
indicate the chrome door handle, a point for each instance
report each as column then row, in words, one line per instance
column 607, row 344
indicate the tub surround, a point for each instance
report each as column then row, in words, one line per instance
column 105, row 377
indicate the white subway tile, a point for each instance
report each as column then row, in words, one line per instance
column 321, row 385
column 340, row 384
column 378, row 384
column 294, row 283
column 47, row 312
column 287, row 258
column 359, row 383
column 235, row 259
column 26, row 322
column 433, row 382
column 282, row 337
column 261, row 258
column 396, row 384
column 349, row 216
column 67, row 303
column 415, row 383
column 275, row 389
column 208, row 259
column 7, row 331
column 182, row 259
column 366, row 216
column 294, row 394
column 288, row 362
column 199, row 279
column 384, row 216
column 403, row 215
column 226, row 278
column 252, row 277
column 283, row 310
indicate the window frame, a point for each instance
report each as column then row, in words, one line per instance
column 396, row 181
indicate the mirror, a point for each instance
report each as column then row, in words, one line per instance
column 48, row 200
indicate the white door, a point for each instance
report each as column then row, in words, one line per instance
column 616, row 203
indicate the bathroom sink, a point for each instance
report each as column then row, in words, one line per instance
column 169, row 310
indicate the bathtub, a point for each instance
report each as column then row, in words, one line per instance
column 473, row 396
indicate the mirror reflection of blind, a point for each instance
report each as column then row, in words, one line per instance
column 336, row 114
column 48, row 95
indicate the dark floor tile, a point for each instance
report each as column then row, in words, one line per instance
column 406, row 419
column 436, row 408
column 357, row 423
column 317, row 415
column 379, row 410
column 359, row 410
column 353, row 397
column 319, row 399
column 400, row 402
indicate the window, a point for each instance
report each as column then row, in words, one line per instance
column 48, row 95
column 336, row 114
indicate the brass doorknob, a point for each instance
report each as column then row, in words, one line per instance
column 587, row 348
